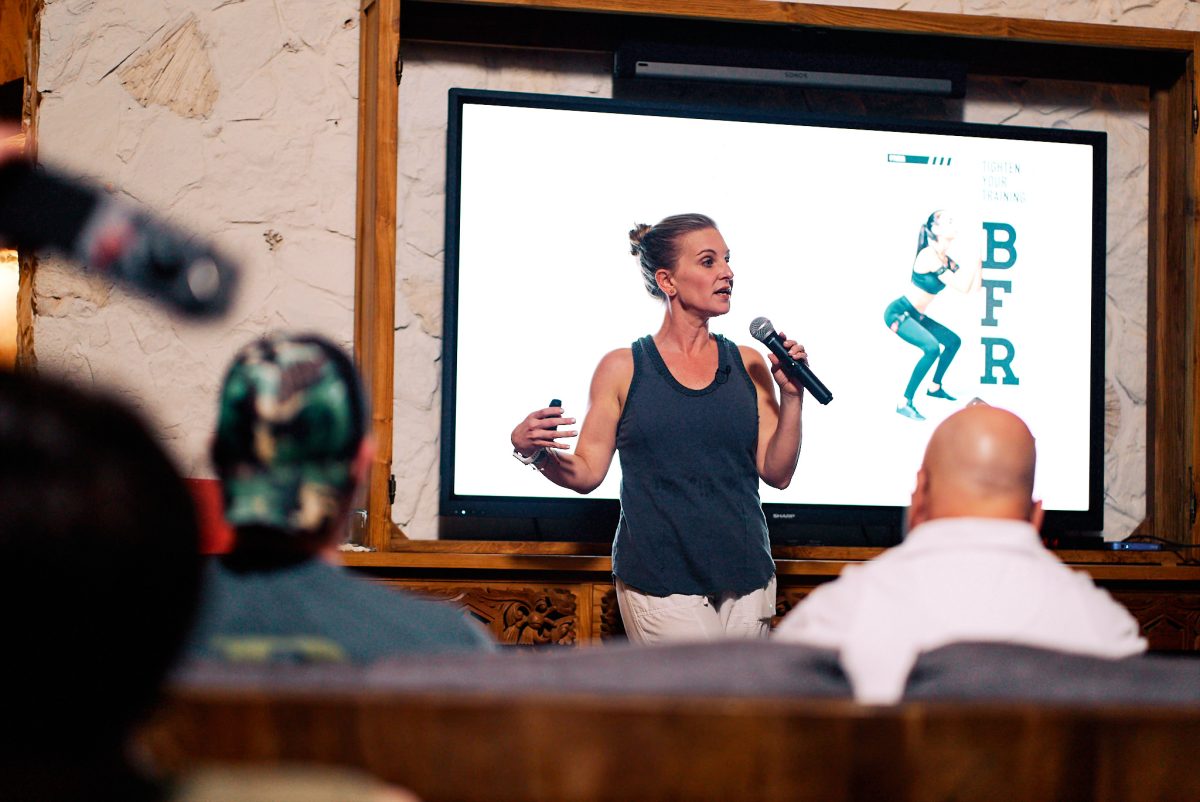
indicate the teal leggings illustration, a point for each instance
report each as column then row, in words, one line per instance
column 937, row 343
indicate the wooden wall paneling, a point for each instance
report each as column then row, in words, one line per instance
column 375, row 245
column 26, row 356
column 31, row 11
column 1170, row 621
column 867, row 19
column 460, row 557
column 606, row 622
column 787, row 597
column 14, row 27
column 1170, row 409
column 584, row 615
column 1192, row 254
column 562, row 598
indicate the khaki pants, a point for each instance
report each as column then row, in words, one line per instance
column 678, row 617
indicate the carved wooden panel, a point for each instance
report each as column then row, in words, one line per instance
column 1170, row 621
column 786, row 598
column 608, row 614
column 532, row 614
column 514, row 614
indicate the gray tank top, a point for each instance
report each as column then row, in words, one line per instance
column 691, row 520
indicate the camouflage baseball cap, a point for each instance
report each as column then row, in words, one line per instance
column 291, row 421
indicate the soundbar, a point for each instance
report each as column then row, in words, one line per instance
column 816, row 79
column 636, row 62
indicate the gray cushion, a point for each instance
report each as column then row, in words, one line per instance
column 728, row 668
column 1004, row 672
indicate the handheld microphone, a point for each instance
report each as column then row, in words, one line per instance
column 43, row 208
column 762, row 330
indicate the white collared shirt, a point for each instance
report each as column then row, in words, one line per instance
column 955, row 580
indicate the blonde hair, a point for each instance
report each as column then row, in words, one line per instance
column 657, row 246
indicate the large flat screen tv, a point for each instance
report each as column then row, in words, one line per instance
column 822, row 217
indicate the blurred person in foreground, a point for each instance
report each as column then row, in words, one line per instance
column 99, row 579
column 972, row 568
column 290, row 449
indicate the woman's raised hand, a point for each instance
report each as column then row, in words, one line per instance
column 540, row 430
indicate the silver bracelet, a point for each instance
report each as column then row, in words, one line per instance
column 535, row 459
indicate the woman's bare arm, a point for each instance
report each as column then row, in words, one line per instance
column 779, row 429
column 583, row 470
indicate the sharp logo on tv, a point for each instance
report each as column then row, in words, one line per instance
column 921, row 265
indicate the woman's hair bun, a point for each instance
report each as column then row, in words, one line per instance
column 636, row 233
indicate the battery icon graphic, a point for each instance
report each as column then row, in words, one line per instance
column 908, row 158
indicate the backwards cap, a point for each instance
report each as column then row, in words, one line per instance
column 291, row 421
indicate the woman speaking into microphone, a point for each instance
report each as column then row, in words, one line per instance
column 696, row 422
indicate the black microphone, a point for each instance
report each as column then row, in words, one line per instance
column 762, row 330
column 43, row 208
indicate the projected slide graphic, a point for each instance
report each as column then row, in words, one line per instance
column 918, row 269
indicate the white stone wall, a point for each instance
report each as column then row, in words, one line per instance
column 254, row 145
column 235, row 119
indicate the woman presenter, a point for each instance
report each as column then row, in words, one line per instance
column 696, row 422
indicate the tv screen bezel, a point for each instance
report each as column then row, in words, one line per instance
column 780, row 516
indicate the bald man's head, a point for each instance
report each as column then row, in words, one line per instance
column 979, row 463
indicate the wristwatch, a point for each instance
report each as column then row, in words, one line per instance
column 535, row 459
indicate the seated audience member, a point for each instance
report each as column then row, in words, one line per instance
column 290, row 448
column 99, row 577
column 972, row 568
column 99, row 580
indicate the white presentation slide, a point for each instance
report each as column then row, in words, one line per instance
column 822, row 225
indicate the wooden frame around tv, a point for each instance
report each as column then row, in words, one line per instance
column 1164, row 61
